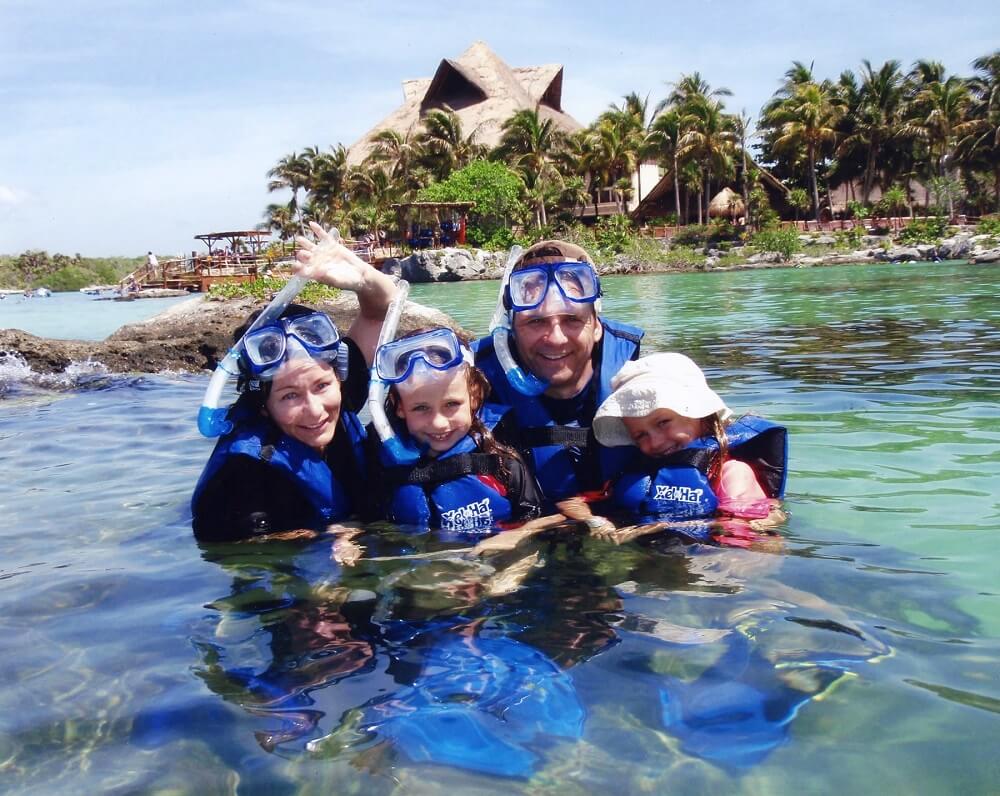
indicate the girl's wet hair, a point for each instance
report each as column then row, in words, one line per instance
column 479, row 388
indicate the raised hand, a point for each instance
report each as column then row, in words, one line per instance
column 329, row 261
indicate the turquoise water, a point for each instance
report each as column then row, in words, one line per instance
column 76, row 316
column 134, row 660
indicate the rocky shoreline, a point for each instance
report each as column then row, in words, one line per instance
column 189, row 337
column 193, row 335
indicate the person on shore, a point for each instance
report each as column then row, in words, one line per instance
column 152, row 265
column 552, row 357
column 690, row 460
column 465, row 481
column 293, row 458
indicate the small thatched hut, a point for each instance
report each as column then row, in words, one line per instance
column 484, row 92
column 726, row 204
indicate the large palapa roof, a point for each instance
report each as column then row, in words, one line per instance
column 483, row 91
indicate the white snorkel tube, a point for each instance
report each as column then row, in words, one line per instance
column 212, row 417
column 521, row 380
column 399, row 451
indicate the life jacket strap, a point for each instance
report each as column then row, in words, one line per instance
column 566, row 436
column 448, row 469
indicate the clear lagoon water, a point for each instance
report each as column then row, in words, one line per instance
column 77, row 316
column 859, row 658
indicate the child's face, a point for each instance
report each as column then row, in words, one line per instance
column 663, row 431
column 437, row 411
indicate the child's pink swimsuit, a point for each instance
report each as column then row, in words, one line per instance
column 739, row 493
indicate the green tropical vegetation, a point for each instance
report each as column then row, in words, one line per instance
column 264, row 288
column 37, row 268
column 877, row 127
column 929, row 141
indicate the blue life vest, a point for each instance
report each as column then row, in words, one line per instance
column 259, row 439
column 559, row 453
column 676, row 487
column 446, row 492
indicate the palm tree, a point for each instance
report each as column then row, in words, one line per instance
column 663, row 142
column 936, row 113
column 281, row 219
column 373, row 192
column 701, row 119
column 528, row 145
column 327, row 182
column 805, row 122
column 798, row 74
column 445, row 146
column 291, row 172
column 979, row 135
column 401, row 154
column 613, row 154
column 878, row 115
column 710, row 138
column 629, row 125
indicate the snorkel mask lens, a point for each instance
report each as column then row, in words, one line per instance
column 528, row 287
column 265, row 348
column 439, row 349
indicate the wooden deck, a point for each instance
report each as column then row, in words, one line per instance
column 197, row 274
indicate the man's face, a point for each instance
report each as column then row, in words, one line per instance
column 555, row 342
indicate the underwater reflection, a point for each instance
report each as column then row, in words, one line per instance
column 430, row 655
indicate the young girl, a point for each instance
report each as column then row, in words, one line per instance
column 463, row 480
column 693, row 461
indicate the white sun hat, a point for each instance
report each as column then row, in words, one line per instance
column 658, row 381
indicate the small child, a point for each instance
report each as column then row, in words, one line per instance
column 693, row 461
column 465, row 480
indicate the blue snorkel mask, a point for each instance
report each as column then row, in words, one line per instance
column 267, row 347
column 212, row 420
column 531, row 289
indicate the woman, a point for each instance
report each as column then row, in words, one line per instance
column 292, row 459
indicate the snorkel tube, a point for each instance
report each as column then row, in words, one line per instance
column 212, row 420
column 521, row 380
column 212, row 417
column 399, row 451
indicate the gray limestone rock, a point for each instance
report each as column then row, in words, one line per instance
column 956, row 247
column 990, row 256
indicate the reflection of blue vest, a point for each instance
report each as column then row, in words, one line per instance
column 447, row 492
column 253, row 437
column 676, row 487
column 559, row 452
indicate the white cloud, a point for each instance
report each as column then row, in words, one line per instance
column 8, row 196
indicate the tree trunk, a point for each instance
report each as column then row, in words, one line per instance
column 866, row 189
column 812, row 182
column 708, row 191
column 746, row 190
column 677, row 190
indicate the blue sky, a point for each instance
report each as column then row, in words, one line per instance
column 128, row 126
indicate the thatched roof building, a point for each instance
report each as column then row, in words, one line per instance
column 482, row 90
column 726, row 204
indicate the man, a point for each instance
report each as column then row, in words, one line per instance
column 560, row 367
column 152, row 266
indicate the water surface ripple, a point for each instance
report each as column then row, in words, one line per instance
column 136, row 661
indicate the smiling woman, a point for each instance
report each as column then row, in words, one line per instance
column 293, row 459
column 290, row 458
